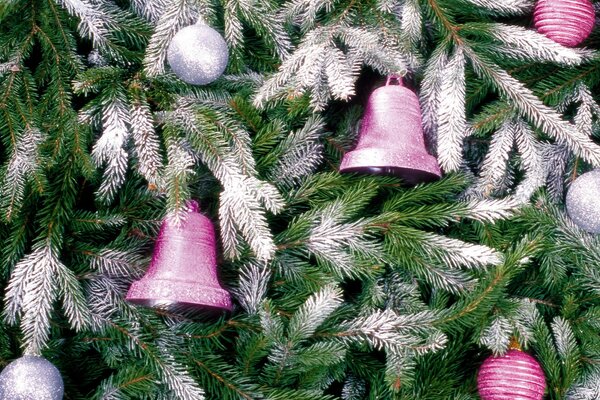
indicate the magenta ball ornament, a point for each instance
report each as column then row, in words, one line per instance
column 567, row 22
column 515, row 375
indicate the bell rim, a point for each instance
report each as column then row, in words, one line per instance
column 412, row 170
column 153, row 292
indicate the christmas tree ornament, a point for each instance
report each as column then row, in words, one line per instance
column 567, row 22
column 391, row 138
column 31, row 378
column 183, row 272
column 582, row 201
column 198, row 54
column 515, row 375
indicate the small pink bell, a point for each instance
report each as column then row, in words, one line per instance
column 183, row 271
column 567, row 22
column 391, row 138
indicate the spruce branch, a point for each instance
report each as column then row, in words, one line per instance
column 411, row 20
column 320, row 66
column 533, row 162
column 526, row 44
column 253, row 285
column 504, row 7
column 534, row 110
column 495, row 164
column 430, row 94
column 497, row 335
column 315, row 310
column 145, row 139
column 451, row 118
column 24, row 167
column 93, row 21
column 37, row 280
column 151, row 10
column 300, row 153
column 109, row 148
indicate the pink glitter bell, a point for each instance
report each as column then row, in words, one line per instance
column 183, row 273
column 515, row 376
column 391, row 138
column 567, row 22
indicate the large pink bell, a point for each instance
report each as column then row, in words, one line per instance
column 183, row 271
column 391, row 138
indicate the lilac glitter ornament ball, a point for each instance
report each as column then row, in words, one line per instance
column 31, row 378
column 513, row 376
column 183, row 273
column 198, row 54
column 582, row 201
column 567, row 22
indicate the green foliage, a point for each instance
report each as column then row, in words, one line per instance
column 345, row 286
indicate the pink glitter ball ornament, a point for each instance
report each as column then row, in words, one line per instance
column 567, row 22
column 183, row 273
column 391, row 138
column 514, row 376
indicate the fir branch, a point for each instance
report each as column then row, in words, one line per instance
column 504, row 7
column 448, row 251
column 567, row 348
column 263, row 18
column 497, row 335
column 411, row 21
column 320, row 66
column 494, row 167
column 145, row 139
column 534, row 110
column 24, row 167
column 530, row 45
column 252, row 288
column 110, row 146
column 451, row 118
column 37, row 280
column 532, row 160
column 388, row 330
column 315, row 310
column 354, row 389
column 151, row 10
column 300, row 154
column 93, row 21
column 430, row 94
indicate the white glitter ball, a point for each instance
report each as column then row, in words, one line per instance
column 31, row 378
column 582, row 201
column 198, row 54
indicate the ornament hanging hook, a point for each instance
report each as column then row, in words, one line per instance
column 394, row 77
column 200, row 20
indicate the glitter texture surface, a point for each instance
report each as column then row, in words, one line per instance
column 31, row 378
column 183, row 271
column 567, row 22
column 515, row 376
column 391, row 138
column 198, row 54
column 582, row 201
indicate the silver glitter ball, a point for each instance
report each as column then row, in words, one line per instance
column 31, row 378
column 198, row 54
column 582, row 201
